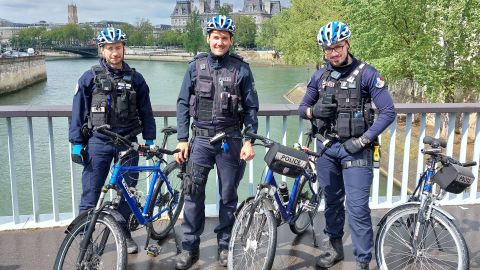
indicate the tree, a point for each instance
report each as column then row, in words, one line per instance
column 224, row 10
column 246, row 31
column 296, row 28
column 434, row 43
column 170, row 38
column 267, row 34
column 193, row 39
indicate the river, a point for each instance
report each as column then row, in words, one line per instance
column 164, row 80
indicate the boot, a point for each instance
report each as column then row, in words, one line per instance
column 186, row 259
column 362, row 266
column 332, row 254
column 132, row 247
column 223, row 257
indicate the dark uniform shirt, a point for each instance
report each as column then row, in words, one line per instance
column 83, row 99
column 372, row 84
column 247, row 91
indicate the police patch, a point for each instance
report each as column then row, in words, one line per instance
column 380, row 82
column 76, row 89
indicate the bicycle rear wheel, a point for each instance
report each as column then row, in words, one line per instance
column 163, row 199
column 254, row 247
column 306, row 203
column 440, row 245
column 107, row 248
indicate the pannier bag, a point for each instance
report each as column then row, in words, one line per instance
column 286, row 161
column 454, row 178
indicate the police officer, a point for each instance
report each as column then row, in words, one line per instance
column 218, row 92
column 339, row 98
column 109, row 93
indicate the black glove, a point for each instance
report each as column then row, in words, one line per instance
column 353, row 145
column 320, row 110
column 188, row 185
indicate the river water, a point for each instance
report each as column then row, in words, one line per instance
column 164, row 80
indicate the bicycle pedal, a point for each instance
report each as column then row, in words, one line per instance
column 153, row 250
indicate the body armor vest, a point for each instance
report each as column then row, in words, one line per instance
column 217, row 94
column 114, row 101
column 354, row 113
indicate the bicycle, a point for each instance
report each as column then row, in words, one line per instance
column 254, row 233
column 95, row 240
column 419, row 234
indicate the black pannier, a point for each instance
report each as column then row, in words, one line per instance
column 454, row 178
column 286, row 161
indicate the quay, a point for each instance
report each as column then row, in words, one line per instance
column 19, row 72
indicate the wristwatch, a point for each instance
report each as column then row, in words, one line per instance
column 364, row 140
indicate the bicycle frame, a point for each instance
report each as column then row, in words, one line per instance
column 158, row 175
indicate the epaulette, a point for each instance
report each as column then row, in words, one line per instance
column 199, row 55
column 234, row 55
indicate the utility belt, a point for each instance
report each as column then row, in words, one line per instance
column 211, row 132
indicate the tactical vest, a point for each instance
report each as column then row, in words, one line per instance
column 354, row 113
column 217, row 94
column 114, row 101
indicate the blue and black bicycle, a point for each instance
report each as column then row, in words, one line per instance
column 95, row 240
column 254, row 234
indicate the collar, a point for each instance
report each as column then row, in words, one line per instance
column 115, row 72
column 346, row 69
column 218, row 61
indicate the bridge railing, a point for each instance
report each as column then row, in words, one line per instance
column 42, row 186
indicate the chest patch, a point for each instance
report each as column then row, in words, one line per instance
column 328, row 84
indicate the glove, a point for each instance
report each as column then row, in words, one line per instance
column 78, row 154
column 188, row 185
column 324, row 110
column 353, row 145
column 149, row 142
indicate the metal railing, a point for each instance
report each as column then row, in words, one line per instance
column 401, row 146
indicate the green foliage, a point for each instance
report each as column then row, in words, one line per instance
column 141, row 34
column 436, row 43
column 246, row 31
column 65, row 35
column 294, row 31
column 267, row 34
column 193, row 37
column 170, row 38
column 223, row 10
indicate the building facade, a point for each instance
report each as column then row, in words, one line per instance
column 258, row 10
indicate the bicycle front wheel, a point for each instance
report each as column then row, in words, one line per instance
column 253, row 247
column 439, row 245
column 107, row 248
column 164, row 199
column 306, row 204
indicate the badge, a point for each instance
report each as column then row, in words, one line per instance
column 76, row 89
column 380, row 82
column 203, row 66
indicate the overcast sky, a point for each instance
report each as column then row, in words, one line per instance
column 157, row 11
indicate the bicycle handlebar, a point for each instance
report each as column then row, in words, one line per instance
column 146, row 150
column 269, row 142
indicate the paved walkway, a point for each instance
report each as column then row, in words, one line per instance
column 36, row 249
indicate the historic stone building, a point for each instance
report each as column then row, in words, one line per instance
column 259, row 10
column 72, row 14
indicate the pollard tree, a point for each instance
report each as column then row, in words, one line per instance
column 193, row 39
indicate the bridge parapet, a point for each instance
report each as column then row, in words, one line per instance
column 49, row 195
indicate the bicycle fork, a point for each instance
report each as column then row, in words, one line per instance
column 91, row 228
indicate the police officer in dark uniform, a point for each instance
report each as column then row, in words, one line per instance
column 339, row 98
column 109, row 93
column 218, row 92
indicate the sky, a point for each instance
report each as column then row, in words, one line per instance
column 131, row 11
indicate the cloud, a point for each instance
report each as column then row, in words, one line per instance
column 156, row 11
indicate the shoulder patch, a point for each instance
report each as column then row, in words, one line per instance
column 380, row 82
column 76, row 89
